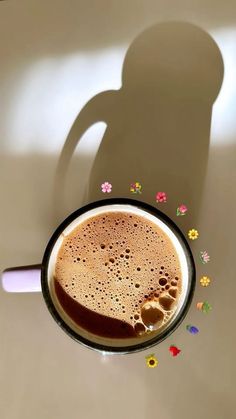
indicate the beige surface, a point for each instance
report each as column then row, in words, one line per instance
column 55, row 56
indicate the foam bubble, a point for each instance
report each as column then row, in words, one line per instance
column 166, row 303
column 173, row 292
column 162, row 281
column 151, row 315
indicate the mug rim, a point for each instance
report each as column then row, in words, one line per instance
column 142, row 345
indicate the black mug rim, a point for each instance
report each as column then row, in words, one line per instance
column 139, row 346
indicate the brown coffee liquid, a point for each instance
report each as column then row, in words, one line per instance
column 118, row 275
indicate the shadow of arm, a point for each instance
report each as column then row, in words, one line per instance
column 96, row 110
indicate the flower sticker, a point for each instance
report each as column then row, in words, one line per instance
column 193, row 234
column 181, row 210
column 205, row 281
column 205, row 307
column 192, row 329
column 161, row 197
column 151, row 361
column 204, row 257
column 135, row 187
column 174, row 350
column 106, row 187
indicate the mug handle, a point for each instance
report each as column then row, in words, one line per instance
column 22, row 279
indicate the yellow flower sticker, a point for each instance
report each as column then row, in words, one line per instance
column 193, row 234
column 151, row 361
column 205, row 281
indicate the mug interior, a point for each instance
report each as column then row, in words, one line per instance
column 179, row 243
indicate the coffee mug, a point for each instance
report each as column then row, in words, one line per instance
column 40, row 277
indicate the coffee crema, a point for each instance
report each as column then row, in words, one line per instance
column 118, row 275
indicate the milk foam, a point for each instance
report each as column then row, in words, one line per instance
column 121, row 283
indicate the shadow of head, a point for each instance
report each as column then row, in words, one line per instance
column 158, row 123
column 174, row 59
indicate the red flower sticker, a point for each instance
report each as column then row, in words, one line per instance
column 174, row 350
column 161, row 197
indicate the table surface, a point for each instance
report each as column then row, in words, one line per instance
column 55, row 57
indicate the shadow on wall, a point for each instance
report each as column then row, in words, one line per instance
column 158, row 123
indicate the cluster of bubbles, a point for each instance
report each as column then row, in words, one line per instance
column 122, row 266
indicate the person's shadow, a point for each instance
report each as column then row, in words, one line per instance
column 158, row 122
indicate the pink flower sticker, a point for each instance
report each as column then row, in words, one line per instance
column 106, row 187
column 181, row 210
column 161, row 197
